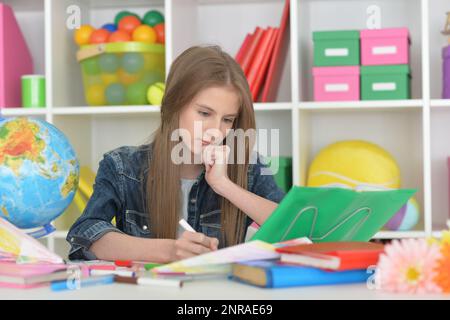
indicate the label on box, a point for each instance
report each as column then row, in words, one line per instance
column 384, row 86
column 337, row 87
column 337, row 52
column 384, row 50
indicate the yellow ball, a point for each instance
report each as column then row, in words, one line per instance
column 95, row 95
column 354, row 164
column 144, row 33
column 83, row 34
column 155, row 93
column 109, row 78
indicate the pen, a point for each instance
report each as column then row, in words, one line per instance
column 186, row 226
column 117, row 272
column 145, row 281
column 87, row 282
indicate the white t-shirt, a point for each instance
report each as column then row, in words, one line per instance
column 186, row 186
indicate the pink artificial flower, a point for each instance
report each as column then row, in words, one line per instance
column 409, row 265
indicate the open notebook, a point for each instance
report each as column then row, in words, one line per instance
column 220, row 261
column 18, row 246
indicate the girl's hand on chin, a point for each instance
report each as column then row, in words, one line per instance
column 215, row 159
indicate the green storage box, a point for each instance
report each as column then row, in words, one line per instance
column 283, row 177
column 385, row 82
column 336, row 48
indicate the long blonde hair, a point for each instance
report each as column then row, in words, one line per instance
column 196, row 69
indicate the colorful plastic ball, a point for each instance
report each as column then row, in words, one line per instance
column 132, row 62
column 152, row 18
column 99, row 36
column 129, row 24
column 137, row 93
column 144, row 33
column 123, row 14
column 152, row 77
column 150, row 61
column 160, row 32
column 155, row 93
column 119, row 36
column 95, row 95
column 109, row 78
column 128, row 78
column 115, row 94
column 355, row 164
column 406, row 218
column 83, row 34
column 90, row 66
column 111, row 27
column 108, row 62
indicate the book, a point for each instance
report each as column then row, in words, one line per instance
column 244, row 48
column 24, row 248
column 257, row 63
column 219, row 262
column 272, row 274
column 333, row 255
column 14, row 275
column 252, row 48
column 331, row 214
column 262, row 71
column 278, row 58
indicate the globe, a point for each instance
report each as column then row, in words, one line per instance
column 39, row 172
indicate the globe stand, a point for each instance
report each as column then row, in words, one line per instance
column 42, row 231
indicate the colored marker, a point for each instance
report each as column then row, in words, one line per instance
column 124, row 263
column 83, row 283
column 186, row 226
column 117, row 272
column 145, row 281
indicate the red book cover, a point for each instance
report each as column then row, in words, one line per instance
column 252, row 47
column 262, row 71
column 243, row 49
column 256, row 64
column 279, row 55
column 350, row 255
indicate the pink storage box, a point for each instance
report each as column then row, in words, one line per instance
column 15, row 59
column 336, row 83
column 384, row 46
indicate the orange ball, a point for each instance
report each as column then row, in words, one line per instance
column 144, row 33
column 119, row 36
column 160, row 32
column 129, row 24
column 99, row 36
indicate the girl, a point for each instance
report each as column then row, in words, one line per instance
column 148, row 189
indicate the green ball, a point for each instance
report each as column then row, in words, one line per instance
column 152, row 77
column 132, row 62
column 91, row 66
column 123, row 14
column 109, row 62
column 152, row 18
column 137, row 93
column 155, row 93
column 115, row 94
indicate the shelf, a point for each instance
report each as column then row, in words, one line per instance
column 14, row 112
column 105, row 110
column 440, row 103
column 363, row 105
column 275, row 106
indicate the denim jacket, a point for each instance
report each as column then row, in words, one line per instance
column 118, row 192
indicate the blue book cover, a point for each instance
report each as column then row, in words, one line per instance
column 272, row 274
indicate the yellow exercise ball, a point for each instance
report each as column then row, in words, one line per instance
column 354, row 164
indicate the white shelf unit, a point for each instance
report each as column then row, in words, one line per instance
column 412, row 130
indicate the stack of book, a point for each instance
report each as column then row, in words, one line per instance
column 312, row 264
column 261, row 57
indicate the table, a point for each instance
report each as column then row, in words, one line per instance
column 211, row 289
